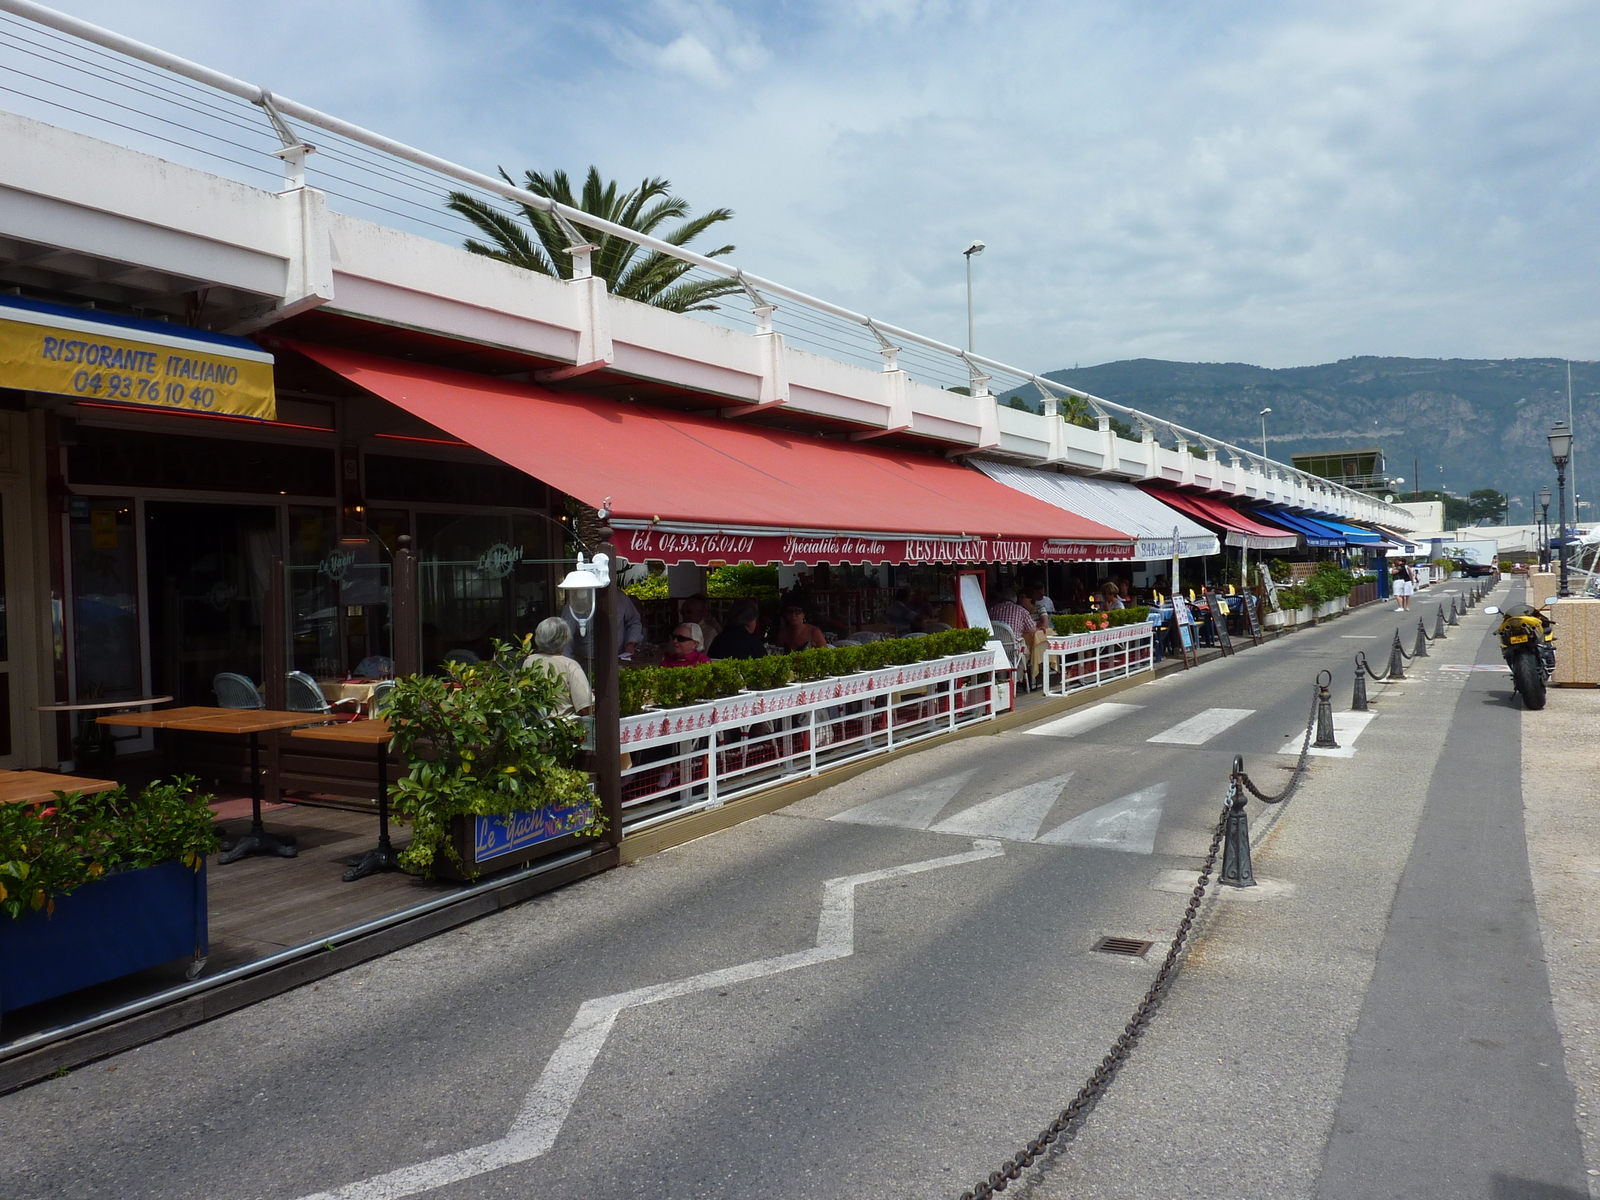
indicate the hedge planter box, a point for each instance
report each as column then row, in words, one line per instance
column 106, row 929
column 496, row 843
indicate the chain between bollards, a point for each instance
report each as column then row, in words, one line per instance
column 1233, row 827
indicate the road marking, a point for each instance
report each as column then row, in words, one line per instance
column 549, row 1101
column 1128, row 823
column 912, row 808
column 1083, row 720
column 1202, row 727
column 1359, row 637
column 1015, row 815
column 1498, row 670
column 1347, row 727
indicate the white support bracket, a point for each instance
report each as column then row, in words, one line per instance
column 593, row 322
column 772, row 357
column 988, row 412
column 896, row 392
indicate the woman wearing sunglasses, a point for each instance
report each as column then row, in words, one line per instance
column 683, row 648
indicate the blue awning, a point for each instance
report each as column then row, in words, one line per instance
column 1317, row 535
column 1353, row 534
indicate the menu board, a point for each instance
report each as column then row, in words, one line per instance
column 1219, row 618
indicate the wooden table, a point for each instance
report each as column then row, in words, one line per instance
column 336, row 691
column 103, row 747
column 365, row 733
column 27, row 787
column 238, row 722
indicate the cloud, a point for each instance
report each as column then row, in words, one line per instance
column 1239, row 181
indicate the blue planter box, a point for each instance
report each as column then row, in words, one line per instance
column 111, row 927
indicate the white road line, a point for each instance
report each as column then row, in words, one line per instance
column 1083, row 720
column 1202, row 727
column 1015, row 815
column 911, row 808
column 545, row 1109
column 1359, row 637
column 1347, row 727
column 1128, row 823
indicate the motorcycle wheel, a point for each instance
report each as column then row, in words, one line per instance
column 1528, row 676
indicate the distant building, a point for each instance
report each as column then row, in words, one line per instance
column 1361, row 470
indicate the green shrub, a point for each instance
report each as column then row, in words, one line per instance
column 483, row 738
column 765, row 674
column 49, row 848
column 651, row 587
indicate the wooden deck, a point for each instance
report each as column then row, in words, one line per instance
column 259, row 906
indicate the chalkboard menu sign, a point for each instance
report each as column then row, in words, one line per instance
column 1252, row 616
column 1219, row 619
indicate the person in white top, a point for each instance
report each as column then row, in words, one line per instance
column 552, row 637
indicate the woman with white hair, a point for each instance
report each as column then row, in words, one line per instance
column 552, row 637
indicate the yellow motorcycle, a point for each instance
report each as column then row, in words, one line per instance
column 1528, row 647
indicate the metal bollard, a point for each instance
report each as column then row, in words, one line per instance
column 1236, row 837
column 1358, row 698
column 1438, row 623
column 1451, row 619
column 1397, row 659
column 1421, row 650
column 1325, row 739
column 1472, row 601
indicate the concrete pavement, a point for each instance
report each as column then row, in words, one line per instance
column 967, row 1011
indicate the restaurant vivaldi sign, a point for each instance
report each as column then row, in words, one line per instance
column 711, row 547
column 50, row 348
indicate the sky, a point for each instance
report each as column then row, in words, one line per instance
column 1274, row 183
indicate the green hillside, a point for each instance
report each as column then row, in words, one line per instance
column 1468, row 423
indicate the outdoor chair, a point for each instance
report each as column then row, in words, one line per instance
column 1016, row 652
column 381, row 695
column 464, row 657
column 236, row 691
column 935, row 627
column 303, row 695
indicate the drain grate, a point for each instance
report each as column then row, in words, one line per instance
column 1127, row 947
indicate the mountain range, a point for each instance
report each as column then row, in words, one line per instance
column 1453, row 424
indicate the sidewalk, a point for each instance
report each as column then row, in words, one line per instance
column 1376, row 1022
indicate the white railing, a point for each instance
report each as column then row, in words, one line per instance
column 384, row 175
column 682, row 760
column 1085, row 660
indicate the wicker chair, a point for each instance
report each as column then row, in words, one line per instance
column 236, row 691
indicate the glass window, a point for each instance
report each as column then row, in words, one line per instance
column 132, row 458
column 105, row 604
column 481, row 578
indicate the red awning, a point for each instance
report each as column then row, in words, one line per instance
column 1239, row 529
column 685, row 488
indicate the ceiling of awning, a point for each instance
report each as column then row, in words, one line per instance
column 672, row 468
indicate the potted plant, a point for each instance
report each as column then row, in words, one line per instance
column 489, row 780
column 94, row 887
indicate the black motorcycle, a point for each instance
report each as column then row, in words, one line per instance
column 1528, row 647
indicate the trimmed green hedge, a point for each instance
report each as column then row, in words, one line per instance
column 1065, row 623
column 675, row 687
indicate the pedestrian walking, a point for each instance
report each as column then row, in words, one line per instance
column 1405, row 585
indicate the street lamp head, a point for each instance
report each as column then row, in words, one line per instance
column 1544, row 497
column 976, row 248
column 1264, row 412
column 1560, row 443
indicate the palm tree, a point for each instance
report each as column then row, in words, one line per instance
column 629, row 271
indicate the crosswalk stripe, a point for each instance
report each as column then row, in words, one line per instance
column 910, row 808
column 1015, row 815
column 1128, row 823
column 1202, row 727
column 1083, row 720
column 1347, row 727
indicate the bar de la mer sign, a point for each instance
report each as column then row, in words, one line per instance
column 97, row 356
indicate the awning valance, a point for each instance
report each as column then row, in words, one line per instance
column 1151, row 523
column 100, row 356
column 1317, row 535
column 1355, row 535
column 1238, row 529
column 686, row 488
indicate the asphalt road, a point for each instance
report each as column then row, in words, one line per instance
column 722, row 1020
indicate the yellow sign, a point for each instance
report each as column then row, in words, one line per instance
column 52, row 352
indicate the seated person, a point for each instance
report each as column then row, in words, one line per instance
column 903, row 613
column 739, row 639
column 1110, row 597
column 551, row 638
column 696, row 610
column 796, row 634
column 683, row 649
column 1017, row 616
column 1043, row 606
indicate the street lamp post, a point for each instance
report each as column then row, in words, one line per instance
column 975, row 248
column 1263, row 414
column 1544, row 529
column 1561, row 454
